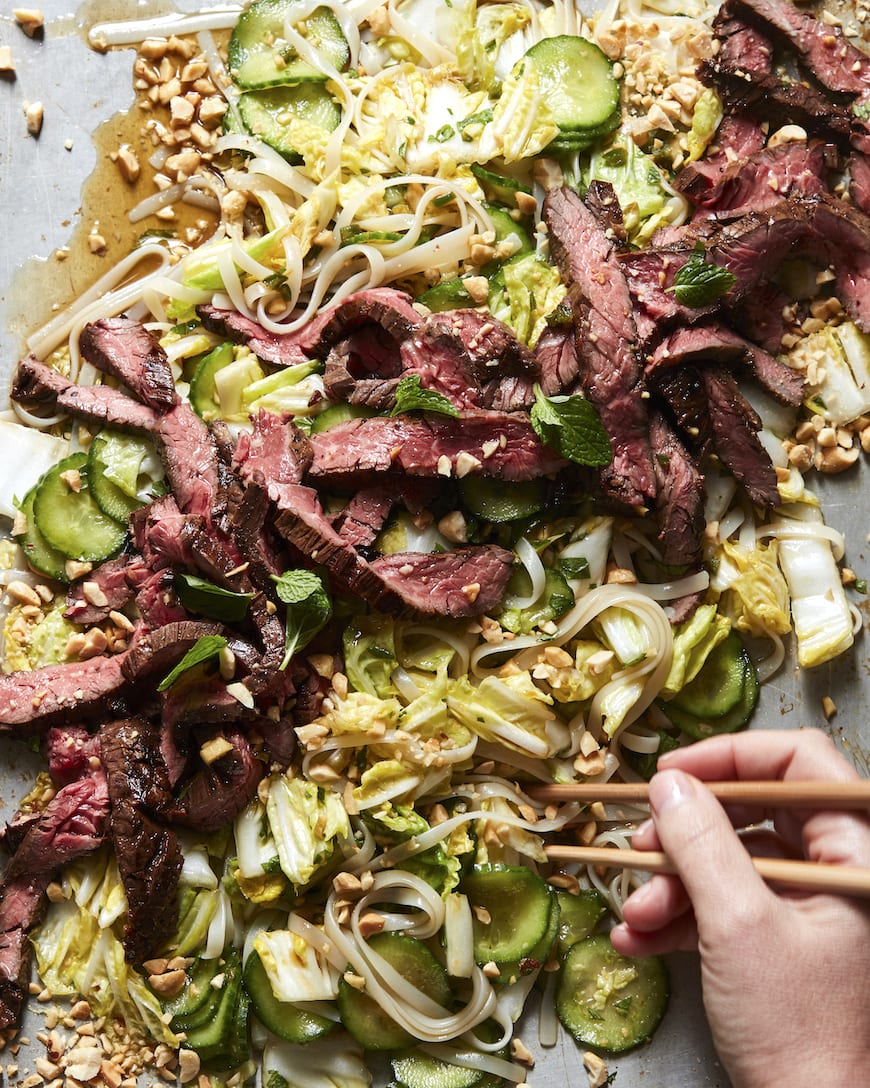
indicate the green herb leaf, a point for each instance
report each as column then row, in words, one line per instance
column 207, row 599
column 308, row 608
column 204, row 649
column 574, row 566
column 700, row 282
column 571, row 426
column 412, row 397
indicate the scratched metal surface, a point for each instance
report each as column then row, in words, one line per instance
column 40, row 184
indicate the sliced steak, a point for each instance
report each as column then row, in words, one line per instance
column 468, row 581
column 715, row 342
column 30, row 702
column 740, row 43
column 501, row 445
column 108, row 588
column 149, row 857
column 759, row 181
column 859, row 181
column 69, row 750
column 190, row 458
column 36, row 385
column 364, row 516
column 556, row 354
column 737, row 138
column 162, row 648
column 680, row 498
column 274, row 448
column 127, row 351
column 72, row 825
column 822, row 47
column 607, row 342
column 682, row 389
column 735, row 437
column 216, row 794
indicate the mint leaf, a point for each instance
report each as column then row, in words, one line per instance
column 700, row 282
column 308, row 608
column 207, row 599
column 571, row 426
column 204, row 649
column 412, row 397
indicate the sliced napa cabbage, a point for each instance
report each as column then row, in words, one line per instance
column 577, row 682
column 309, row 825
column 78, row 951
column 530, row 291
column 757, row 597
column 386, row 780
column 324, row 1063
column 296, row 971
column 27, row 454
column 646, row 200
column 394, row 823
column 694, row 640
column 293, row 390
column 493, row 850
column 511, row 711
column 231, row 381
column 258, row 871
column 836, row 362
column 624, row 633
column 360, row 712
column 401, row 534
column 705, row 121
column 522, row 122
column 370, row 655
column 820, row 613
column 495, row 26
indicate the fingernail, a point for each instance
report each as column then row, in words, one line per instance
column 668, row 790
column 644, row 827
column 640, row 895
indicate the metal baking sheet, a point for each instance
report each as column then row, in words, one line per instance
column 44, row 261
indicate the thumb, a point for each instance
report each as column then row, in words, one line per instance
column 696, row 834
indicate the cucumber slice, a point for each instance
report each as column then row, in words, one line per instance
column 217, row 1037
column 505, row 226
column 577, row 81
column 196, row 992
column 579, row 916
column 499, row 187
column 535, row 960
column 734, row 719
column 39, row 553
column 418, row 1070
column 491, row 500
column 448, row 295
column 260, row 56
column 70, row 520
column 105, row 449
column 203, row 394
column 607, row 1000
column 340, row 413
column 719, row 685
column 366, row 1021
column 518, row 904
column 282, row 1018
column 268, row 114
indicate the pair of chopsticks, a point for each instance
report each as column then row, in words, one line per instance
column 844, row 879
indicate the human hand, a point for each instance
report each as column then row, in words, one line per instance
column 784, row 974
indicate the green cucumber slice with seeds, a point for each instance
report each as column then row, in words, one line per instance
column 70, row 520
column 518, row 904
column 577, row 81
column 260, row 56
column 366, row 1021
column 579, row 915
column 607, row 1000
column 113, row 500
column 491, row 500
column 282, row 1018
column 538, row 956
column 268, row 114
column 706, row 706
column 499, row 187
column 339, row 413
column 203, row 392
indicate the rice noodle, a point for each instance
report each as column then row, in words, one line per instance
column 131, row 32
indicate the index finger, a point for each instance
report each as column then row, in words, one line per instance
column 789, row 755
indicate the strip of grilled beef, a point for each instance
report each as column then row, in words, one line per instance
column 859, row 181
column 157, row 602
column 735, row 437
column 127, row 351
column 759, row 181
column 390, row 310
column 467, row 581
column 341, row 385
column 603, row 203
column 30, row 702
column 680, row 496
column 69, row 750
column 740, row 43
column 556, row 354
column 216, row 794
column 72, row 825
column 607, row 342
column 737, row 138
column 36, row 385
column 190, row 458
column 822, row 47
column 682, row 389
column 503, row 445
column 274, row 448
column 759, row 317
column 149, row 857
column 160, row 649
column 713, row 341
column 116, row 580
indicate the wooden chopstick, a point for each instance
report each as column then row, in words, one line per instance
column 828, row 795
column 844, row 879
